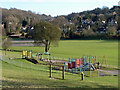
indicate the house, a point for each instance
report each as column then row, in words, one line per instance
column 23, row 28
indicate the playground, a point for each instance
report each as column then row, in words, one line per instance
column 64, row 67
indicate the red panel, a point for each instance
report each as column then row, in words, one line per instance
column 73, row 64
column 69, row 65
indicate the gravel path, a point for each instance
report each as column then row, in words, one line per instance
column 24, row 43
column 115, row 72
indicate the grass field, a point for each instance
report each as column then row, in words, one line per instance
column 37, row 76
column 79, row 48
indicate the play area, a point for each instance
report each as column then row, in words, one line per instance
column 77, row 66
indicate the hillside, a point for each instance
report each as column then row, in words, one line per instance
column 100, row 22
column 14, row 19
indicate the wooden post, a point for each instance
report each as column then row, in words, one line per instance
column 50, row 70
column 63, row 72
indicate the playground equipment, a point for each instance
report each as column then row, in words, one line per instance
column 81, row 64
column 78, row 65
column 82, row 75
column 27, row 54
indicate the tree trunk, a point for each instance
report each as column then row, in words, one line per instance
column 46, row 49
column 47, row 46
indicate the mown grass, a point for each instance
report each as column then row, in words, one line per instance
column 37, row 76
column 20, row 77
column 79, row 48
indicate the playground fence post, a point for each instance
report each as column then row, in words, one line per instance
column 63, row 72
column 50, row 70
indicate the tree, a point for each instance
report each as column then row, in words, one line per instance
column 59, row 21
column 24, row 23
column 111, row 31
column 11, row 24
column 6, row 44
column 88, row 33
column 46, row 33
column 118, row 20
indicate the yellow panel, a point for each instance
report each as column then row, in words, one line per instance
column 91, row 59
column 23, row 52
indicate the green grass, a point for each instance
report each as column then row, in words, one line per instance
column 79, row 48
column 20, row 77
column 37, row 76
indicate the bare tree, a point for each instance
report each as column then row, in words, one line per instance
column 6, row 44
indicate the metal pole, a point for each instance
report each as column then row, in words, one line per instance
column 90, row 64
column 75, row 65
column 80, row 65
